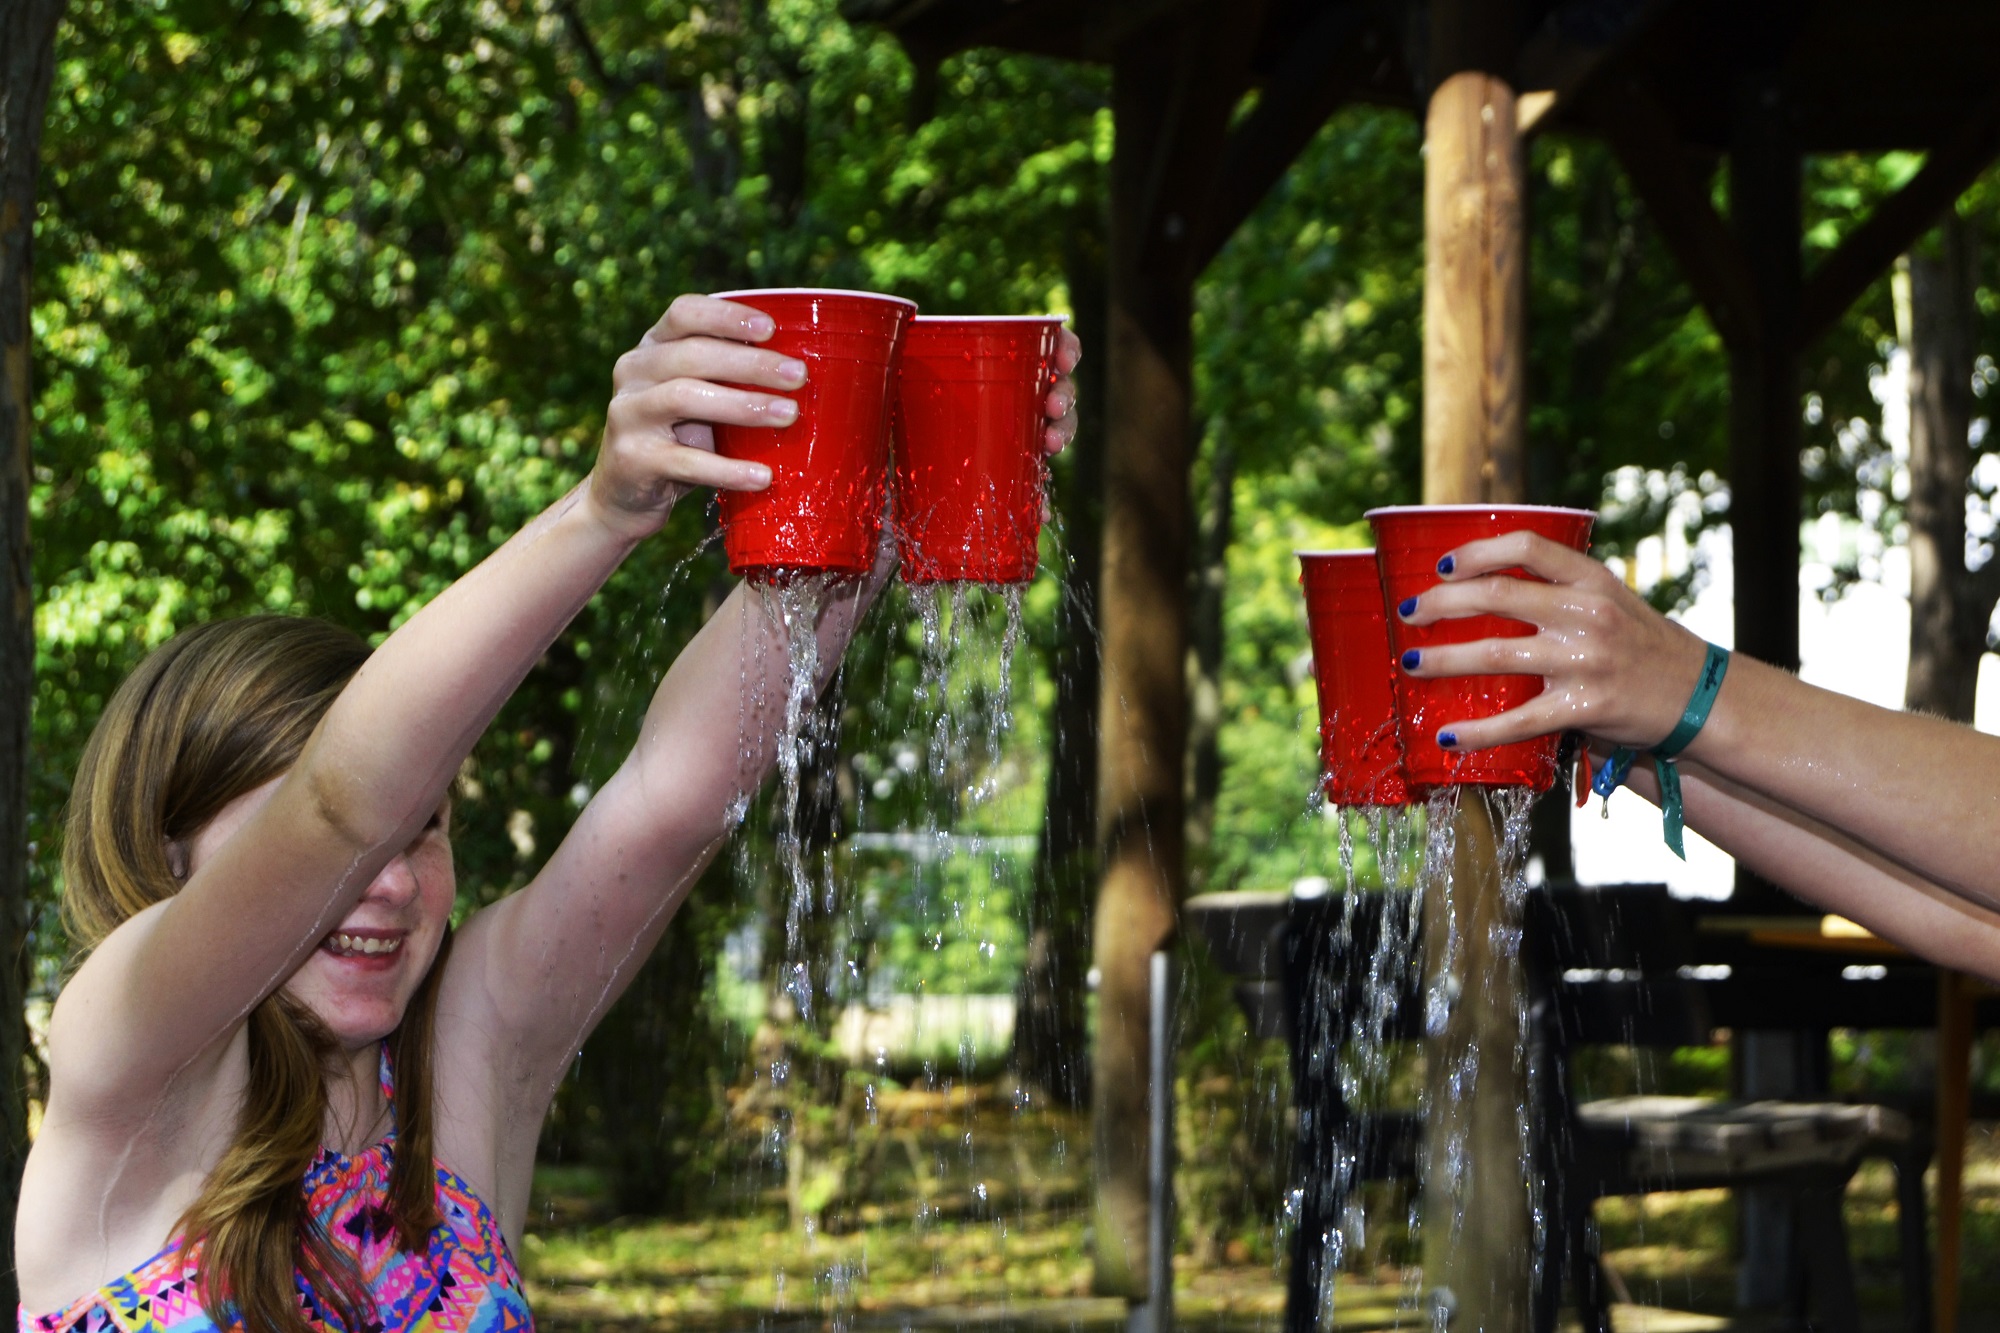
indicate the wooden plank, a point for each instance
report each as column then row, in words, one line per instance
column 1898, row 221
column 1642, row 135
column 1320, row 71
column 1556, row 65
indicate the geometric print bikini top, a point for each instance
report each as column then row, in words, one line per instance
column 465, row 1282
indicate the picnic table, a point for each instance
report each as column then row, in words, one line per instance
column 1628, row 964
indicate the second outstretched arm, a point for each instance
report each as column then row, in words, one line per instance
column 1918, row 792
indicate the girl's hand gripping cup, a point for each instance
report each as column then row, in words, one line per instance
column 1409, row 542
column 1361, row 754
column 968, row 431
column 823, row 509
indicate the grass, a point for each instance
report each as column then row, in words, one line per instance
column 1019, row 1258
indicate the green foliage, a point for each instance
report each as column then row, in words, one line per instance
column 329, row 297
column 330, row 293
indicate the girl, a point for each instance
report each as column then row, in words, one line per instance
column 282, row 1093
column 1883, row 817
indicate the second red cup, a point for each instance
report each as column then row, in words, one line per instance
column 823, row 509
column 1361, row 755
column 968, row 430
column 1409, row 542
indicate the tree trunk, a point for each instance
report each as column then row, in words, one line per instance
column 27, row 64
column 1950, row 606
column 1050, row 1033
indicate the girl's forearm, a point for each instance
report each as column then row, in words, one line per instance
column 393, row 740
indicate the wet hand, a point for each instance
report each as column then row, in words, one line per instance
column 667, row 394
column 1059, row 406
column 1611, row 665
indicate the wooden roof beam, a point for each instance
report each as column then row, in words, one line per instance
column 1898, row 222
column 1318, row 75
column 1061, row 28
column 1655, row 161
column 1555, row 68
column 1214, row 44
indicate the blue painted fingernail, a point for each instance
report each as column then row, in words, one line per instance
column 1407, row 607
column 1410, row 659
column 1448, row 739
column 1446, row 565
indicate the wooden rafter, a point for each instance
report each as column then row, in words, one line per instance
column 1898, row 221
column 1642, row 135
column 1554, row 69
column 1317, row 76
column 1216, row 43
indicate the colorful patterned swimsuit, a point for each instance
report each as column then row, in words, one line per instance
column 465, row 1283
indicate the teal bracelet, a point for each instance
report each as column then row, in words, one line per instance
column 1693, row 718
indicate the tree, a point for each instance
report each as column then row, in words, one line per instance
column 27, row 64
column 1951, row 605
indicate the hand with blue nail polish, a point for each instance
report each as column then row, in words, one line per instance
column 1611, row 665
column 1883, row 816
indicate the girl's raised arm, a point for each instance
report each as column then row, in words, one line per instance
column 553, row 957
column 165, row 991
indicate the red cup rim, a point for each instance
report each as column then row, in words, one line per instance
column 1480, row 509
column 1342, row 550
column 811, row 291
column 992, row 319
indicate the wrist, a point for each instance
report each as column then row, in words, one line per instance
column 625, row 518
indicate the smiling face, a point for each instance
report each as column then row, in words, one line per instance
column 359, row 981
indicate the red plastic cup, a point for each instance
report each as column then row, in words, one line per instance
column 1409, row 541
column 1361, row 754
column 968, row 431
column 823, row 508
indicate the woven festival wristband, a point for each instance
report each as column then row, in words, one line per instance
column 1715, row 665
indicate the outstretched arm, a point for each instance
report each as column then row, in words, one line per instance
column 1825, row 867
column 553, row 957
column 170, row 986
column 1913, row 791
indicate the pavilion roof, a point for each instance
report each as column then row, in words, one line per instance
column 1855, row 75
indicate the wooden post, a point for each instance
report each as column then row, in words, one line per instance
column 1764, row 514
column 1954, row 1113
column 1174, row 86
column 1142, row 713
column 1475, row 340
column 1476, row 1231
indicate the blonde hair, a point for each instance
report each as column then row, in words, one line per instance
column 215, row 712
